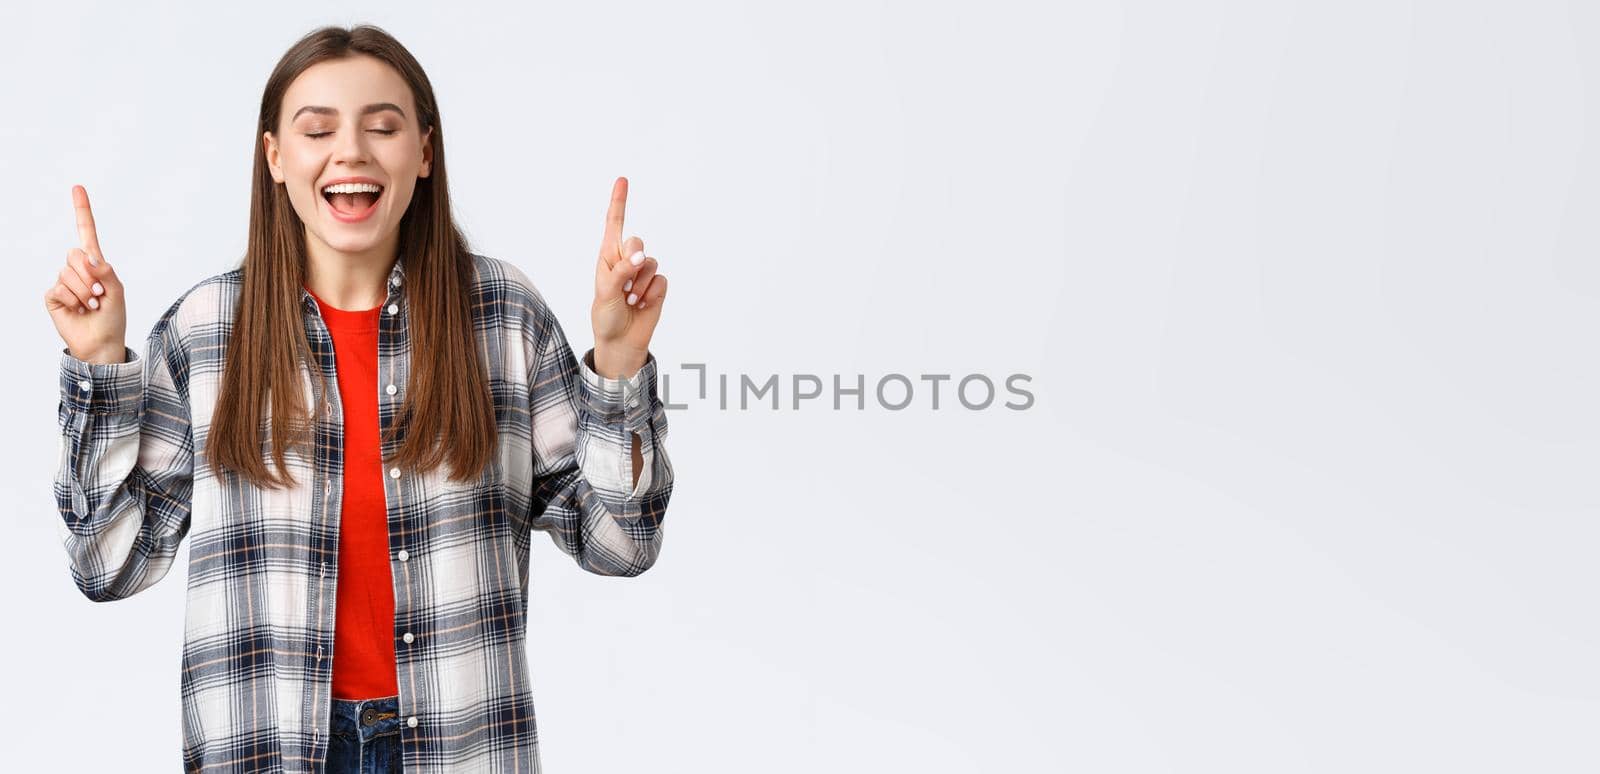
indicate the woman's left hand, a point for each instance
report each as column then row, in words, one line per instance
column 628, row 291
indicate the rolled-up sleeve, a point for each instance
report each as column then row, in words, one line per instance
column 124, row 475
column 583, row 426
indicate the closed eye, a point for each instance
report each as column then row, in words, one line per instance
column 384, row 132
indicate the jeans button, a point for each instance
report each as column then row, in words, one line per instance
column 369, row 716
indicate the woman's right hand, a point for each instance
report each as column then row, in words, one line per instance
column 86, row 303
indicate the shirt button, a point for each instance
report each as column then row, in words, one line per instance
column 404, row 555
column 407, row 637
column 394, row 309
column 391, row 389
column 84, row 384
column 412, row 721
column 330, row 410
column 394, row 472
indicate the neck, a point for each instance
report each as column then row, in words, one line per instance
column 352, row 281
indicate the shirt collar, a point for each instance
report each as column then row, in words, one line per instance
column 396, row 275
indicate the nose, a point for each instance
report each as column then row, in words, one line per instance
column 350, row 146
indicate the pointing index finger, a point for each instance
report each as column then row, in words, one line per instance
column 88, row 239
column 619, row 201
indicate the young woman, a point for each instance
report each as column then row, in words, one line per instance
column 359, row 427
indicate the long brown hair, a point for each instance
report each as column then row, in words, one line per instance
column 448, row 413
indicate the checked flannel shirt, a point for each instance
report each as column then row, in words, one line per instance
column 263, row 563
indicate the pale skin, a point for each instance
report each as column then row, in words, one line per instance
column 366, row 122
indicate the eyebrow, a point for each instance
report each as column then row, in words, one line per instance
column 375, row 107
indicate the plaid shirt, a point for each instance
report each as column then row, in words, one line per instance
column 263, row 563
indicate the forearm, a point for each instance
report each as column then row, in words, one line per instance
column 124, row 483
column 613, row 363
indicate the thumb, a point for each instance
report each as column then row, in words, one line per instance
column 105, row 274
column 617, row 276
column 92, row 269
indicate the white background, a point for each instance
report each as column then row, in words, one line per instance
column 1307, row 291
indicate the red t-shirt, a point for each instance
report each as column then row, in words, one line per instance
column 363, row 633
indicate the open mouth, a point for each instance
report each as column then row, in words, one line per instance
column 352, row 202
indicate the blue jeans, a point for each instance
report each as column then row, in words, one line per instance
column 364, row 736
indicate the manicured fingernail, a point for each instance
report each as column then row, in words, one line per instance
column 97, row 289
column 627, row 285
column 92, row 260
column 637, row 258
column 632, row 297
column 94, row 303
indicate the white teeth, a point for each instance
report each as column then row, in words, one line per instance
column 353, row 188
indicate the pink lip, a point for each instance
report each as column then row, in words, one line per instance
column 356, row 217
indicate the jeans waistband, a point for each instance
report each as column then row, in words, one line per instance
column 365, row 719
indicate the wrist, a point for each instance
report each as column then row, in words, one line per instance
column 615, row 362
column 105, row 355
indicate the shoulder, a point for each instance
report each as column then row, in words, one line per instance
column 204, row 306
column 193, row 326
column 514, row 304
column 504, row 288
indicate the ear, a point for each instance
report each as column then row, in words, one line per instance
column 427, row 153
column 270, row 146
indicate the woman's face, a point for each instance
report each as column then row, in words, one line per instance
column 349, row 118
